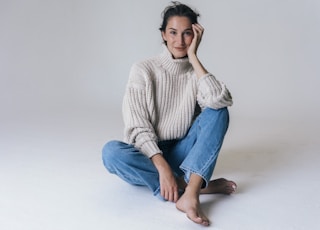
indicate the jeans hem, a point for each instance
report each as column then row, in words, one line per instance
column 188, row 172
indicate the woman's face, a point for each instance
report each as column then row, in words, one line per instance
column 178, row 35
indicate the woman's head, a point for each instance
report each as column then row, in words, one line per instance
column 178, row 9
column 176, row 29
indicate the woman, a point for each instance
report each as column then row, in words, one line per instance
column 175, row 115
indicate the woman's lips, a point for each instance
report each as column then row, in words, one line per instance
column 180, row 48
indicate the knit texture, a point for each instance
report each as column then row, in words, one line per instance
column 161, row 99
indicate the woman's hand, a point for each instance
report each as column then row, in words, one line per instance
column 197, row 36
column 192, row 51
column 168, row 184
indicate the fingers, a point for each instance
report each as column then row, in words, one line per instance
column 171, row 195
column 198, row 30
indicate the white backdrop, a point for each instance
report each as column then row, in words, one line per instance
column 64, row 65
column 65, row 55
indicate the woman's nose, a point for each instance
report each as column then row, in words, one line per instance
column 181, row 39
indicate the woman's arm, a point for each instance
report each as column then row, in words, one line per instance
column 192, row 51
column 137, row 112
column 211, row 92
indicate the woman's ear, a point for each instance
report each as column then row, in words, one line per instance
column 163, row 34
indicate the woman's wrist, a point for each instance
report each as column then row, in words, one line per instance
column 197, row 66
column 159, row 162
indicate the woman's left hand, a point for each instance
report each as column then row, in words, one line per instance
column 198, row 32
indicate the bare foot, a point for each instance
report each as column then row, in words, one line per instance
column 220, row 186
column 217, row 186
column 190, row 205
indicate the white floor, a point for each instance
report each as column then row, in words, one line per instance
column 52, row 177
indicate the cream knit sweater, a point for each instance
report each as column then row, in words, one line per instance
column 161, row 98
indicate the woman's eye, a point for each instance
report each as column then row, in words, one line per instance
column 188, row 33
column 173, row 32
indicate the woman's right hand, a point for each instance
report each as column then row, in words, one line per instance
column 168, row 184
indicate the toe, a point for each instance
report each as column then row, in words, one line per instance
column 197, row 218
column 194, row 217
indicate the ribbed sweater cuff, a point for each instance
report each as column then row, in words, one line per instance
column 150, row 148
column 208, row 78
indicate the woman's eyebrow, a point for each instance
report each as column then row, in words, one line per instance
column 176, row 29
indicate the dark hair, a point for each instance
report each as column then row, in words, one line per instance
column 178, row 9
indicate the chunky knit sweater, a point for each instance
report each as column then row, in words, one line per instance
column 161, row 98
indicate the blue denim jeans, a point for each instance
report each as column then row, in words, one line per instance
column 197, row 153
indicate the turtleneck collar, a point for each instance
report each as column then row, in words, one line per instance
column 175, row 66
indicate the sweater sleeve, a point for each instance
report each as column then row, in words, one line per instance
column 213, row 93
column 137, row 113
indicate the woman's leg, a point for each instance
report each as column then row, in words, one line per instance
column 203, row 143
column 202, row 146
column 130, row 165
column 180, row 154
